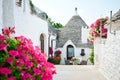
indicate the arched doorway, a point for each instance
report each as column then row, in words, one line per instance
column 42, row 42
column 70, row 51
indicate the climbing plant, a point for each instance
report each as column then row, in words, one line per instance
column 97, row 29
column 91, row 58
column 31, row 4
column 55, row 25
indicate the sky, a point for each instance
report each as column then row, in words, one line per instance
column 60, row 11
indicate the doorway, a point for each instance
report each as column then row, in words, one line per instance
column 42, row 42
column 70, row 52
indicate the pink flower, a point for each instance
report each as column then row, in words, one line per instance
column 73, row 58
column 13, row 53
column 97, row 22
column 5, row 71
column 58, row 52
column 29, row 64
column 50, row 50
column 96, row 31
column 23, row 73
column 2, row 38
column 26, row 59
column 91, row 41
column 8, row 31
column 10, row 60
column 12, row 30
column 27, row 75
column 37, row 71
column 11, row 78
column 21, row 61
column 3, row 47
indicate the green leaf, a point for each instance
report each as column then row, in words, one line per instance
column 91, row 58
column 2, row 77
column 17, row 74
column 38, row 77
column 13, row 44
column 3, row 56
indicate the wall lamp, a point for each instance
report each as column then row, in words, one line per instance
column 112, row 32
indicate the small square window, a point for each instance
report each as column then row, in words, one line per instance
column 82, row 51
column 19, row 3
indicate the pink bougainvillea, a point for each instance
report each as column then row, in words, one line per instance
column 97, row 29
column 58, row 52
column 20, row 60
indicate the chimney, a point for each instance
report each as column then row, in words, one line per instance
column 75, row 10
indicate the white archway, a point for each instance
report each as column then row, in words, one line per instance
column 70, row 51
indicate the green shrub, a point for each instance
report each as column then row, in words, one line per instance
column 91, row 58
column 52, row 60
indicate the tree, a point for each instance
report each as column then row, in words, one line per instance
column 55, row 25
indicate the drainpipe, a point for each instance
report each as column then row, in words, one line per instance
column 114, row 32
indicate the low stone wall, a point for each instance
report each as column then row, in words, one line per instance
column 107, row 56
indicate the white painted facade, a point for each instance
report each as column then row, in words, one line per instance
column 25, row 23
column 53, row 42
column 107, row 55
column 85, row 32
column 0, row 15
column 77, row 52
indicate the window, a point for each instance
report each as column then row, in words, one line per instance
column 42, row 42
column 82, row 51
column 19, row 3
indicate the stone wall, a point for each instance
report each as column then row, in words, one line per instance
column 107, row 56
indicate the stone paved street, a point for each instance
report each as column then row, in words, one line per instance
column 77, row 72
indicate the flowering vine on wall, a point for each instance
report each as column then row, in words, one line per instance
column 97, row 29
column 20, row 60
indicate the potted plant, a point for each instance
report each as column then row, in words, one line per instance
column 57, row 56
column 82, row 54
column 51, row 51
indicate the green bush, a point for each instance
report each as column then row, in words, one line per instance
column 52, row 60
column 91, row 58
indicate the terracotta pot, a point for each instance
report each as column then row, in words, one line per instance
column 82, row 54
column 58, row 59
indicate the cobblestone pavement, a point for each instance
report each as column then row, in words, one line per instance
column 77, row 72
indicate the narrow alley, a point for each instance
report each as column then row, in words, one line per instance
column 78, row 72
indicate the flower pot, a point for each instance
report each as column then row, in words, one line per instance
column 58, row 59
column 82, row 54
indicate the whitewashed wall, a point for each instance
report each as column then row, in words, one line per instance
column 25, row 23
column 0, row 15
column 108, row 56
column 85, row 32
column 53, row 38
column 87, row 53
column 77, row 51
column 8, row 10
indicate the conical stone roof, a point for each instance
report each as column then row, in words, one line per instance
column 115, row 24
column 72, row 31
column 116, row 16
